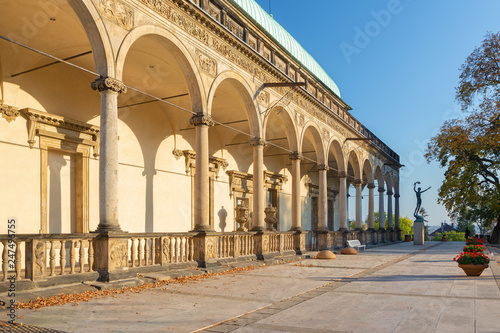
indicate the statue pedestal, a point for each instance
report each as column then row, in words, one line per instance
column 418, row 232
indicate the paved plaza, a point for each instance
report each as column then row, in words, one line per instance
column 393, row 288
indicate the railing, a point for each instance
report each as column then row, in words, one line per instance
column 47, row 255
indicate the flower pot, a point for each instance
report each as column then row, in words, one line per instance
column 473, row 270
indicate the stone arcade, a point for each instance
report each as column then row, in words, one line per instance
column 105, row 181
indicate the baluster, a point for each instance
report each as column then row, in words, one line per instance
column 132, row 252
column 183, row 249
column 153, row 251
column 62, row 255
column 52, row 258
column 18, row 260
column 191, row 249
column 172, row 250
column 139, row 252
column 146, row 251
column 5, row 260
column 82, row 256
column 219, row 247
column 91, row 255
column 177, row 249
column 72, row 260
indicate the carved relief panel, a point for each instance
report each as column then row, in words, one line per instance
column 117, row 12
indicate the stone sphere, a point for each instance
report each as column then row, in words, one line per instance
column 349, row 250
column 325, row 254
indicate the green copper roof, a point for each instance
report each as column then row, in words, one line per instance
column 262, row 18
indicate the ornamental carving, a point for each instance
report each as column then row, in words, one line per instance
column 108, row 83
column 216, row 163
column 177, row 153
column 257, row 142
column 299, row 118
column 40, row 261
column 118, row 255
column 51, row 125
column 117, row 12
column 295, row 155
column 322, row 167
column 214, row 11
column 326, row 134
column 9, row 113
column 201, row 119
column 206, row 64
column 264, row 98
column 210, row 248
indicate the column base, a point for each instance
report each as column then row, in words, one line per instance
column 296, row 229
column 202, row 228
column 343, row 230
column 360, row 229
column 258, row 228
column 371, row 229
column 104, row 229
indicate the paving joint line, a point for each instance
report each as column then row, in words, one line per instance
column 231, row 324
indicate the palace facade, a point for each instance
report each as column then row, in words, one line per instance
column 153, row 133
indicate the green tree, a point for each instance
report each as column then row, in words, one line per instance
column 451, row 236
column 469, row 148
column 406, row 226
column 377, row 224
column 425, row 215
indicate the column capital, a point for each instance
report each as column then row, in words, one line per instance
column 381, row 190
column 322, row 167
column 201, row 119
column 389, row 192
column 104, row 83
column 396, row 195
column 358, row 182
column 371, row 185
column 342, row 174
column 295, row 155
column 254, row 142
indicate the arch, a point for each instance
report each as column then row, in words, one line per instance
column 353, row 160
column 316, row 140
column 335, row 147
column 97, row 35
column 290, row 129
column 379, row 176
column 246, row 94
column 388, row 181
column 368, row 170
column 173, row 44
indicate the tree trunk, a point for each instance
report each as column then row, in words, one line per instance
column 495, row 235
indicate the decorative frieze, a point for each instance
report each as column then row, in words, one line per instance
column 117, row 12
column 214, row 11
column 9, row 113
column 234, row 27
column 108, row 83
column 206, row 63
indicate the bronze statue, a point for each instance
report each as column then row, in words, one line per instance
column 419, row 201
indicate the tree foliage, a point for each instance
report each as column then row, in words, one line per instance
column 469, row 148
column 451, row 236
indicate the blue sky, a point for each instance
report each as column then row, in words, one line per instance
column 400, row 77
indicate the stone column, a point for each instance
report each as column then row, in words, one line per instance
column 389, row 210
column 359, row 206
column 343, row 201
column 381, row 221
column 323, row 198
column 109, row 89
column 396, row 216
column 296, row 207
column 201, row 122
column 259, row 195
column 371, row 208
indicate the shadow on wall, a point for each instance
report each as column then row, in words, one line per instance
column 222, row 218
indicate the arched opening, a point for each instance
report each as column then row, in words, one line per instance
column 156, row 138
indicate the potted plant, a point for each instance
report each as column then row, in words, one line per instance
column 472, row 263
column 474, row 241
